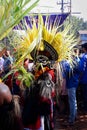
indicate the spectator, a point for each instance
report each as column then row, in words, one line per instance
column 1, row 61
column 7, row 61
column 63, row 98
column 72, row 81
column 83, row 78
column 28, row 65
column 1, row 65
column 8, row 118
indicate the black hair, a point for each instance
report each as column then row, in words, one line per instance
column 8, row 118
column 84, row 45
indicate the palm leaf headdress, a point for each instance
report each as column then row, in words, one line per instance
column 61, row 41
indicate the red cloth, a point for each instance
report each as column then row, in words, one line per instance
column 8, row 81
column 35, row 126
column 51, row 72
column 16, row 74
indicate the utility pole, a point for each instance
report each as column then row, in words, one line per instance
column 70, row 6
column 66, row 5
column 63, row 3
column 62, row 6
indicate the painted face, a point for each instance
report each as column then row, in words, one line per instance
column 42, row 59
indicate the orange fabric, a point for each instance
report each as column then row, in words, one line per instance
column 38, row 73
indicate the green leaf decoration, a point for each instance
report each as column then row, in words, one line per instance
column 11, row 12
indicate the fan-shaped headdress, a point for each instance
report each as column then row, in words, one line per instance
column 44, row 39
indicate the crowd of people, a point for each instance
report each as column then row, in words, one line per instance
column 32, row 108
column 74, row 82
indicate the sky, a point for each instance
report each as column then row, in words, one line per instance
column 78, row 7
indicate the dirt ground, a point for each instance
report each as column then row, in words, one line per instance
column 80, row 124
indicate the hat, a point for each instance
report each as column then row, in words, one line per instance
column 49, row 53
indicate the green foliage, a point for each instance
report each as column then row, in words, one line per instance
column 11, row 12
column 77, row 24
column 25, row 77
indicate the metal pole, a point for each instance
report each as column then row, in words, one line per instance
column 70, row 6
column 62, row 11
column 70, row 13
column 70, row 16
column 62, row 7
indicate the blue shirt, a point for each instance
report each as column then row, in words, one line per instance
column 72, row 74
column 6, row 64
column 83, row 79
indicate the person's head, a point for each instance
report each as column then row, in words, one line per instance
column 5, row 94
column 8, row 118
column 2, row 51
column 76, row 52
column 84, row 47
column 7, row 53
column 26, row 62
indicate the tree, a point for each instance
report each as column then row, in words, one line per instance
column 77, row 24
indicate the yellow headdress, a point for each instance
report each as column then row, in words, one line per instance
column 43, row 35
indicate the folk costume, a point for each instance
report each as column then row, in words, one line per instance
column 45, row 45
column 40, row 102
